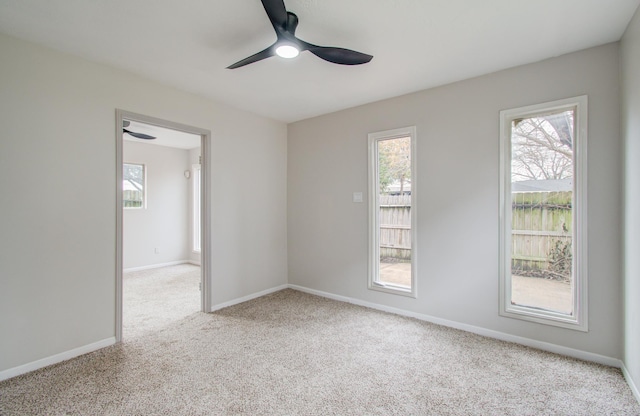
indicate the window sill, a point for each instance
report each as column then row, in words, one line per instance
column 393, row 289
column 544, row 317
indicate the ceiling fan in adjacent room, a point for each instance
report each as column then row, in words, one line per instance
column 126, row 123
column 289, row 46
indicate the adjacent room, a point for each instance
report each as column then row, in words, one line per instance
column 161, row 253
column 392, row 208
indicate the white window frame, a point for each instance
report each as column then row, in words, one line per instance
column 374, row 210
column 144, row 186
column 578, row 320
column 196, row 202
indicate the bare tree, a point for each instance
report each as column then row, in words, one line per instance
column 542, row 147
column 133, row 174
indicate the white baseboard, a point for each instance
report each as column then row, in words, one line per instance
column 248, row 297
column 630, row 382
column 545, row 346
column 54, row 359
column 159, row 265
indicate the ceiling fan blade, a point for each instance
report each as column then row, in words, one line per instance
column 277, row 13
column 270, row 51
column 339, row 55
column 285, row 24
column 138, row 135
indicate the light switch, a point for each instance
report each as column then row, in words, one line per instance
column 357, row 197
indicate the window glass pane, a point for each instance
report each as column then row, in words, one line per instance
column 133, row 185
column 394, row 195
column 542, row 212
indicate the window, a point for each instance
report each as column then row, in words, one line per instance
column 196, row 208
column 392, row 211
column 133, row 186
column 543, row 213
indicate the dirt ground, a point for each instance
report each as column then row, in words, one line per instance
column 542, row 293
column 396, row 273
column 527, row 291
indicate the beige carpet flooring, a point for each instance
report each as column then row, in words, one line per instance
column 154, row 298
column 291, row 353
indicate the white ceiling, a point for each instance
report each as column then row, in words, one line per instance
column 416, row 44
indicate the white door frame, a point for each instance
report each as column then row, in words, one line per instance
column 205, row 205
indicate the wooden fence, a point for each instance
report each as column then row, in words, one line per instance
column 542, row 232
column 131, row 198
column 541, row 236
column 395, row 227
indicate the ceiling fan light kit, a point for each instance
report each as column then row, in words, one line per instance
column 287, row 51
column 289, row 46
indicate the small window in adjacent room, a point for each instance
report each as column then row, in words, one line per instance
column 543, row 273
column 392, row 211
column 196, row 192
column 133, row 186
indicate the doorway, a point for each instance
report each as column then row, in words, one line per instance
column 145, row 126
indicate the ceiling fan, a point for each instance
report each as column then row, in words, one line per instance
column 289, row 46
column 126, row 123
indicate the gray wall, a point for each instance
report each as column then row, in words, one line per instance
column 458, row 180
column 165, row 221
column 630, row 52
column 57, row 244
